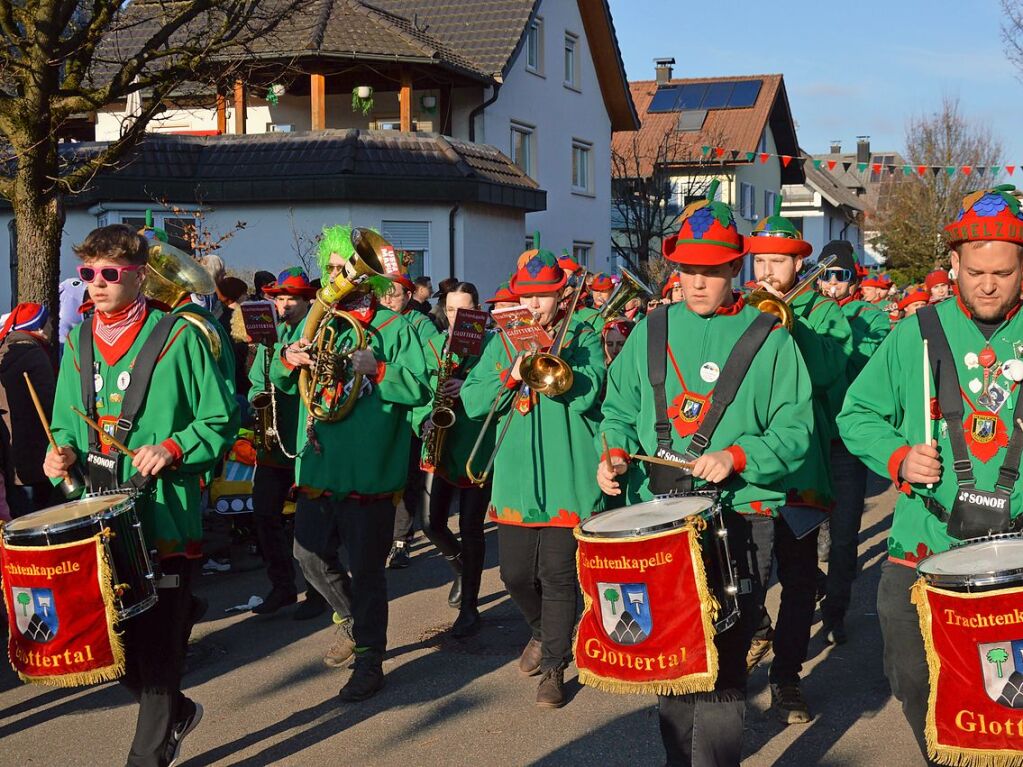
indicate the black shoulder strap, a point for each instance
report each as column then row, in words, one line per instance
column 735, row 369
column 142, row 374
column 657, row 370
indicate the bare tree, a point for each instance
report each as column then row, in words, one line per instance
column 62, row 59
column 303, row 245
column 913, row 211
column 1012, row 33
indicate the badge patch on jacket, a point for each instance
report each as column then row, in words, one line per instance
column 687, row 412
column 985, row 435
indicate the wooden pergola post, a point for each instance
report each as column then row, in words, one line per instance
column 221, row 114
column 405, row 101
column 239, row 107
column 317, row 101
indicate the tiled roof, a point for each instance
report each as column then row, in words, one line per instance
column 321, row 165
column 738, row 129
column 829, row 186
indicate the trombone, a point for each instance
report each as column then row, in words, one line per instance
column 766, row 301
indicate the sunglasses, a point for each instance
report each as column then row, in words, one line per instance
column 839, row 275
column 108, row 273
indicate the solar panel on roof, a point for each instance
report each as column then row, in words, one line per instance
column 665, row 100
column 717, row 95
column 727, row 94
column 745, row 94
column 691, row 96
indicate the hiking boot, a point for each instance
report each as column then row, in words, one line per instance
column 365, row 682
column 274, row 601
column 551, row 691
column 466, row 624
column 758, row 650
column 529, row 661
column 343, row 646
column 311, row 607
column 190, row 717
column 398, row 559
column 788, row 705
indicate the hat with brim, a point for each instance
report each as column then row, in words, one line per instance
column 935, row 278
column 670, row 283
column 291, row 282
column 503, row 295
column 602, row 282
column 707, row 236
column 403, row 280
column 538, row 276
column 778, row 235
column 917, row 296
column 988, row 214
column 568, row 263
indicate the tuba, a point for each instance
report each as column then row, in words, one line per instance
column 321, row 386
column 766, row 301
column 628, row 288
column 172, row 274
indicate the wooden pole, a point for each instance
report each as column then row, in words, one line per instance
column 239, row 107
column 221, row 114
column 405, row 101
column 317, row 101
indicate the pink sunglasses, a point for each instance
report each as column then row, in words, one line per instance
column 108, row 273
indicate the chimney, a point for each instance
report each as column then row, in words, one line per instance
column 836, row 146
column 664, row 70
column 863, row 149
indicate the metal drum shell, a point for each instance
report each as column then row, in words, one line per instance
column 978, row 580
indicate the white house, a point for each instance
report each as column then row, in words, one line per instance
column 824, row 210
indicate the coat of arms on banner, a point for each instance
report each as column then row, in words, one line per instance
column 35, row 613
column 625, row 611
column 1002, row 664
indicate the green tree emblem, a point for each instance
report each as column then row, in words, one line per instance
column 24, row 599
column 998, row 656
column 611, row 595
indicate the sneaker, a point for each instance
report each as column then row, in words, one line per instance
column 343, row 646
column 365, row 682
column 529, row 661
column 398, row 559
column 758, row 650
column 211, row 566
column 274, row 601
column 181, row 728
column 551, row 691
column 788, row 705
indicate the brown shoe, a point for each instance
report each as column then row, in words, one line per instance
column 529, row 661
column 758, row 650
column 551, row 692
column 343, row 647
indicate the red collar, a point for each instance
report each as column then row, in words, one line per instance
column 857, row 296
column 738, row 302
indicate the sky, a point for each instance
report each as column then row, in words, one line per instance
column 850, row 69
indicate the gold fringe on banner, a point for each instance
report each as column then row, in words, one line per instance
column 709, row 608
column 942, row 754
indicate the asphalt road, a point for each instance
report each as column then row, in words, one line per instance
column 270, row 700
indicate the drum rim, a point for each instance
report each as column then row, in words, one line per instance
column 980, row 580
column 650, row 529
column 115, row 509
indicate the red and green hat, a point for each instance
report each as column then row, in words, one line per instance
column 914, row 297
column 602, row 282
column 503, row 295
column 539, row 274
column 291, row 282
column 568, row 263
column 937, row 277
column 707, row 236
column 670, row 283
column 403, row 280
column 988, row 214
column 776, row 234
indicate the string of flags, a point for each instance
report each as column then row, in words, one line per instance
column 877, row 168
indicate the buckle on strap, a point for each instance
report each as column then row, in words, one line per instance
column 961, row 468
column 698, row 441
column 124, row 424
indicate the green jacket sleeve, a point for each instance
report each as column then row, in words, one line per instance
column 623, row 399
column 256, row 377
column 487, row 378
column 585, row 355
column 432, row 351
column 870, row 328
column 824, row 339
column 401, row 369
column 65, row 424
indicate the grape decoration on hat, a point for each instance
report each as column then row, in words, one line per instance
column 707, row 236
column 988, row 214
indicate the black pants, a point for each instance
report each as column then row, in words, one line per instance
column 364, row 527
column 797, row 574
column 269, row 493
column 412, row 497
column 905, row 664
column 154, row 643
column 438, row 495
column 538, row 570
column 705, row 729
column 850, row 479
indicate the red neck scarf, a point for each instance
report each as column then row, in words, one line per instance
column 115, row 333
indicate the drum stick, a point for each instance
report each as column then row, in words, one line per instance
column 607, row 454
column 927, row 400
column 662, row 461
column 113, row 440
column 42, row 413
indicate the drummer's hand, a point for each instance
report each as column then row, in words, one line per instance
column 607, row 478
column 57, row 462
column 297, row 354
column 922, row 465
column 150, row 460
column 714, row 467
column 364, row 362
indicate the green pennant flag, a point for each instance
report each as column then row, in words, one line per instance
column 705, row 150
column 817, row 164
column 950, row 170
column 750, row 156
column 862, row 166
column 995, row 169
column 907, row 170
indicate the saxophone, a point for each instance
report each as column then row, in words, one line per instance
column 442, row 417
column 263, row 405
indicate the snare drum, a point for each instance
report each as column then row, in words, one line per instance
column 977, row 565
column 134, row 584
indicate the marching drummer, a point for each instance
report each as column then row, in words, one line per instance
column 692, row 349
column 887, row 422
column 178, row 429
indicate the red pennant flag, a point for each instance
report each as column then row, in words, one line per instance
column 876, row 167
column 785, row 160
column 764, row 157
column 921, row 170
column 1010, row 169
column 967, row 170
column 832, row 164
column 719, row 151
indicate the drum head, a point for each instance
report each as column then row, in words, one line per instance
column 644, row 518
column 65, row 513
column 984, row 557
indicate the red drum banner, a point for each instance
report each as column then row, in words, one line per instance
column 648, row 616
column 60, row 613
column 974, row 645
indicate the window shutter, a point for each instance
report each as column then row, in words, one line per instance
column 407, row 235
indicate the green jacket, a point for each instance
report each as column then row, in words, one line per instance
column 768, row 425
column 287, row 404
column 870, row 326
column 883, row 416
column 590, row 316
column 366, row 454
column 188, row 402
column 226, row 362
column 545, row 472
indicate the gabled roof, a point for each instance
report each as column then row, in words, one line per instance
column 829, row 187
column 319, row 165
column 733, row 129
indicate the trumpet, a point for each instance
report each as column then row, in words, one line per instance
column 545, row 372
column 766, row 301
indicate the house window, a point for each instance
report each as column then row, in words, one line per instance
column 762, row 145
column 581, row 252
column 182, row 231
column 523, row 147
column 411, row 240
column 797, row 222
column 747, row 197
column 571, row 60
column 534, row 47
column 582, row 158
column 769, row 198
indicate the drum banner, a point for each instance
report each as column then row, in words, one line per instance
column 60, row 610
column 974, row 646
column 648, row 616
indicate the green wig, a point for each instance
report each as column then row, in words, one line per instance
column 335, row 239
